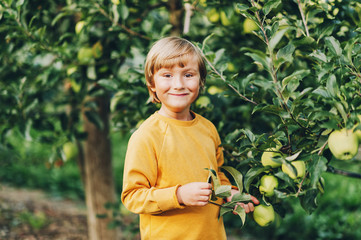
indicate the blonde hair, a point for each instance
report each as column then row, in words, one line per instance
column 167, row 53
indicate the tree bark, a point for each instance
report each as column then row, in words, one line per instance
column 99, row 182
column 176, row 10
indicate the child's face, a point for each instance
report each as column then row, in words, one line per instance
column 177, row 87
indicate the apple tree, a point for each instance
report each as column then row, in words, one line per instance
column 302, row 91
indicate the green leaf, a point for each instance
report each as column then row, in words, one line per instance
column 224, row 210
column 251, row 175
column 223, row 191
column 286, row 52
column 124, row 11
column 241, row 213
column 331, row 85
column 341, row 110
column 308, row 200
column 276, row 38
column 237, row 176
column 267, row 8
column 321, row 91
column 333, row 45
column 242, row 7
column 294, row 156
column 268, row 108
column 108, row 84
column 259, row 58
column 213, row 176
column 317, row 166
column 241, row 197
column 320, row 56
column 249, row 135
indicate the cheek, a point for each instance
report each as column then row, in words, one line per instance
column 194, row 85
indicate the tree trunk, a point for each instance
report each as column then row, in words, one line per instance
column 99, row 182
column 176, row 10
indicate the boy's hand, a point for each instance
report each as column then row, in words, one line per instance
column 194, row 194
column 249, row 207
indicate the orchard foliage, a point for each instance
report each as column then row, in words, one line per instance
column 282, row 76
column 305, row 83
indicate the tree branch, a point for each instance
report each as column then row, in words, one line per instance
column 221, row 76
column 130, row 31
column 343, row 172
column 303, row 17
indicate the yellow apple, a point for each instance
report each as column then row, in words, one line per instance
column 268, row 184
column 300, row 167
column 263, row 215
column 343, row 144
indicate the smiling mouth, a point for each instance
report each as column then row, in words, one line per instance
column 179, row 94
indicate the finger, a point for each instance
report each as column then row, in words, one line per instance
column 250, row 206
column 254, row 200
column 246, row 208
column 205, row 185
column 205, row 192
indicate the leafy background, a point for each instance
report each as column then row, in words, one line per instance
column 289, row 79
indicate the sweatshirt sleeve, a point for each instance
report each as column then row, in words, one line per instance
column 140, row 194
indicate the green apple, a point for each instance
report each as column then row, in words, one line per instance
column 224, row 19
column 85, row 55
column 358, row 132
column 268, row 184
column 203, row 101
column 214, row 90
column 249, row 26
column 264, row 215
column 266, row 158
column 79, row 26
column 343, row 144
column 70, row 150
column 213, row 15
column 270, row 153
column 300, row 167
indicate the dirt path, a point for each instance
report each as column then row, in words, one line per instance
column 31, row 214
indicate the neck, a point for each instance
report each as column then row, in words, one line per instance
column 183, row 116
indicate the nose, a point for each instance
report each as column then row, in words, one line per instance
column 178, row 82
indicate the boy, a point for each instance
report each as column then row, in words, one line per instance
column 165, row 180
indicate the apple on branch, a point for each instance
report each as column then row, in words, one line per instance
column 343, row 144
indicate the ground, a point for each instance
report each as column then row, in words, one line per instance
column 32, row 214
column 29, row 214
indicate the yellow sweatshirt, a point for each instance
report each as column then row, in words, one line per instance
column 162, row 155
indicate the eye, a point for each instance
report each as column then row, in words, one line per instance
column 188, row 75
column 167, row 75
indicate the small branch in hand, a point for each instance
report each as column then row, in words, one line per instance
column 219, row 205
